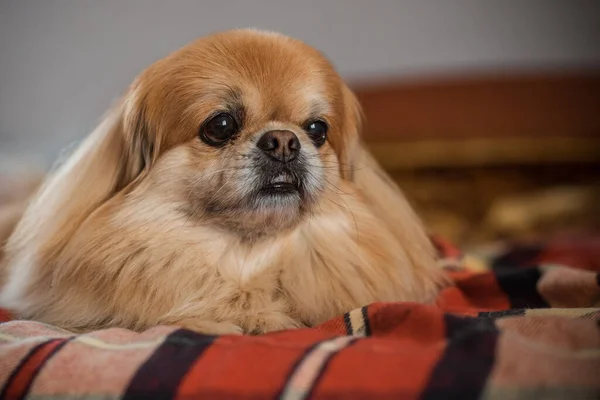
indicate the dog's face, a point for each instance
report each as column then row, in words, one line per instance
column 249, row 129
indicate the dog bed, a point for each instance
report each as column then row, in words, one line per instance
column 521, row 321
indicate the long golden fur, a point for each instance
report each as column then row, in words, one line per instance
column 146, row 224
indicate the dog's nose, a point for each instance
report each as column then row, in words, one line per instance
column 282, row 146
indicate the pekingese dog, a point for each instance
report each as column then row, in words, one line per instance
column 226, row 192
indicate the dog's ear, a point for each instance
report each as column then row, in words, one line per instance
column 111, row 158
column 139, row 139
column 347, row 145
column 108, row 161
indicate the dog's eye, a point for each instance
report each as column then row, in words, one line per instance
column 317, row 131
column 218, row 130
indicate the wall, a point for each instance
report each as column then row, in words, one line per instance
column 63, row 61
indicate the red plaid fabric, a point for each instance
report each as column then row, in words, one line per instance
column 518, row 323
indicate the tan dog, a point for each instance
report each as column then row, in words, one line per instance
column 227, row 192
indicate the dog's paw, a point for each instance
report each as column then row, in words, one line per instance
column 212, row 328
column 272, row 322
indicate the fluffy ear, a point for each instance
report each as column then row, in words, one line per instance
column 106, row 162
column 347, row 144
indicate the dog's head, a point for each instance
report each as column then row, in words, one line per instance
column 248, row 129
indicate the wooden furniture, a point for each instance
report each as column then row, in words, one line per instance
column 460, row 146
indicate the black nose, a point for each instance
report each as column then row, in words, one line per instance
column 282, row 146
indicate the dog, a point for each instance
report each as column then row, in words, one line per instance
column 227, row 192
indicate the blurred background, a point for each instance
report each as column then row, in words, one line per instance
column 487, row 112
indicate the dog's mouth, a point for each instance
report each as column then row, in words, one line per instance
column 283, row 183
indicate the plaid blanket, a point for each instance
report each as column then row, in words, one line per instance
column 520, row 322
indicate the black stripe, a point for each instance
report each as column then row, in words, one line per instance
column 159, row 377
column 501, row 314
column 598, row 282
column 464, row 368
column 519, row 255
column 19, row 366
column 348, row 324
column 520, row 286
column 365, row 315
column 36, row 372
